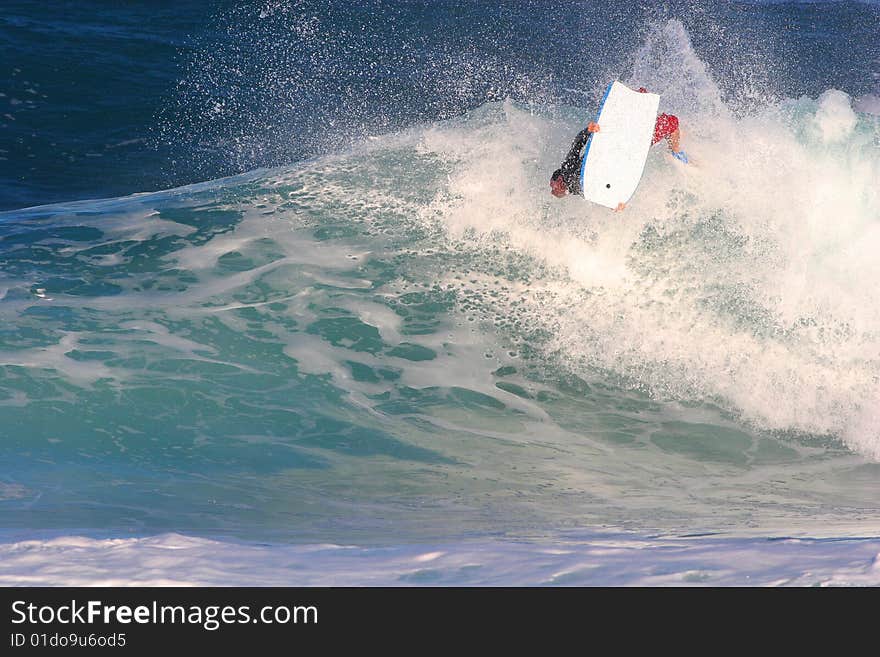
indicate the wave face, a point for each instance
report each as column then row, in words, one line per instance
column 409, row 340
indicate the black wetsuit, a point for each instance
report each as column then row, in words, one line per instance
column 571, row 166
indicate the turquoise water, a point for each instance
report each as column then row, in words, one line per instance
column 338, row 351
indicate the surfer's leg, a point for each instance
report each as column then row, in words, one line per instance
column 666, row 127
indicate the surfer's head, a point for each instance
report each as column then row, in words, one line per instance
column 557, row 184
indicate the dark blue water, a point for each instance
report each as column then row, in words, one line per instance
column 103, row 99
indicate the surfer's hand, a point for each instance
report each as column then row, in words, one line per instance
column 620, row 207
column 592, row 126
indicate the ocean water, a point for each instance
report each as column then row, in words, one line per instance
column 284, row 297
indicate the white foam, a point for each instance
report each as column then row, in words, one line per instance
column 835, row 118
column 570, row 560
column 762, row 292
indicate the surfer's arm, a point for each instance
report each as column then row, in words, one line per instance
column 573, row 159
column 578, row 143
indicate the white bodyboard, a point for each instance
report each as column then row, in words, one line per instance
column 615, row 156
